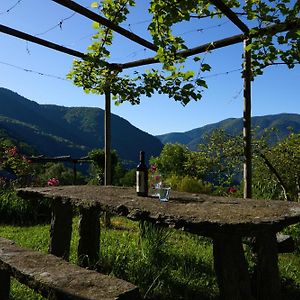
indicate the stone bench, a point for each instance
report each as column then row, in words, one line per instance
column 57, row 279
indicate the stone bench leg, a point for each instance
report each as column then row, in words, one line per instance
column 4, row 285
column 268, row 280
column 61, row 229
column 231, row 268
column 89, row 236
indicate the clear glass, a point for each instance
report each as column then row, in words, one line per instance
column 164, row 193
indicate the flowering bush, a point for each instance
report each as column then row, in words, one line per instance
column 232, row 189
column 53, row 182
column 13, row 151
column 15, row 164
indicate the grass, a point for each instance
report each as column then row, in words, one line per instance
column 34, row 237
column 164, row 263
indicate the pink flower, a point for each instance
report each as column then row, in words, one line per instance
column 157, row 178
column 12, row 151
column 24, row 158
column 153, row 168
column 232, row 189
column 53, row 182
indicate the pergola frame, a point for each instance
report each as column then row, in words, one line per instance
column 245, row 37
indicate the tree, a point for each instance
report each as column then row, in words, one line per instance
column 274, row 34
column 219, row 158
column 58, row 171
column 171, row 159
column 98, row 158
column 277, row 170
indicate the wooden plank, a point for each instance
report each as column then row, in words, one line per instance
column 232, row 16
column 52, row 276
column 97, row 18
column 36, row 40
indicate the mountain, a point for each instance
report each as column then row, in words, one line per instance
column 234, row 126
column 57, row 130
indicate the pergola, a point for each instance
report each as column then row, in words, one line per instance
column 245, row 37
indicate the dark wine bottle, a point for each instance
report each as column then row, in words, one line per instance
column 142, row 176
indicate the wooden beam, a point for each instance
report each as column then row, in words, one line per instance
column 235, row 39
column 276, row 28
column 230, row 15
column 97, row 18
column 189, row 52
column 281, row 27
column 36, row 40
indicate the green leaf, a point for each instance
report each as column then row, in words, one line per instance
column 188, row 86
column 187, row 75
column 94, row 5
column 96, row 25
column 201, row 82
column 205, row 67
column 249, row 47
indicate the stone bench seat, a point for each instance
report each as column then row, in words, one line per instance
column 55, row 278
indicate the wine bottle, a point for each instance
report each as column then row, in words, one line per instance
column 142, row 177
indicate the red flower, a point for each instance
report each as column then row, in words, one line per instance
column 232, row 189
column 12, row 151
column 157, row 178
column 153, row 168
column 53, row 182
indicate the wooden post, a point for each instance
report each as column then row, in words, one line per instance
column 268, row 281
column 4, row 285
column 61, row 229
column 107, row 138
column 89, row 236
column 231, row 268
column 247, row 121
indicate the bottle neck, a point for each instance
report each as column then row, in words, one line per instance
column 142, row 157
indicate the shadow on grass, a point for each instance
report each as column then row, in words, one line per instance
column 165, row 276
column 290, row 290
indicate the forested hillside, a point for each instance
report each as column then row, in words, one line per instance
column 283, row 123
column 57, row 130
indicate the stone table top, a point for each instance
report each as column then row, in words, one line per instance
column 196, row 213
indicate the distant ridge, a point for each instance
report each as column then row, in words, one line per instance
column 192, row 138
column 57, row 130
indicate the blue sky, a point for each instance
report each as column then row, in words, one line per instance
column 275, row 92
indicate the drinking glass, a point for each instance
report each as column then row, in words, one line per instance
column 164, row 193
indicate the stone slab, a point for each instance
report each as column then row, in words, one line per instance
column 196, row 213
column 54, row 277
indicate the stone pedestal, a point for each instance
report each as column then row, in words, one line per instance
column 61, row 229
column 89, row 236
column 231, row 268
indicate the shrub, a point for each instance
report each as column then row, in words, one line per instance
column 188, row 184
column 15, row 210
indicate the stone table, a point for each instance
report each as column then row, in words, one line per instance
column 225, row 220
